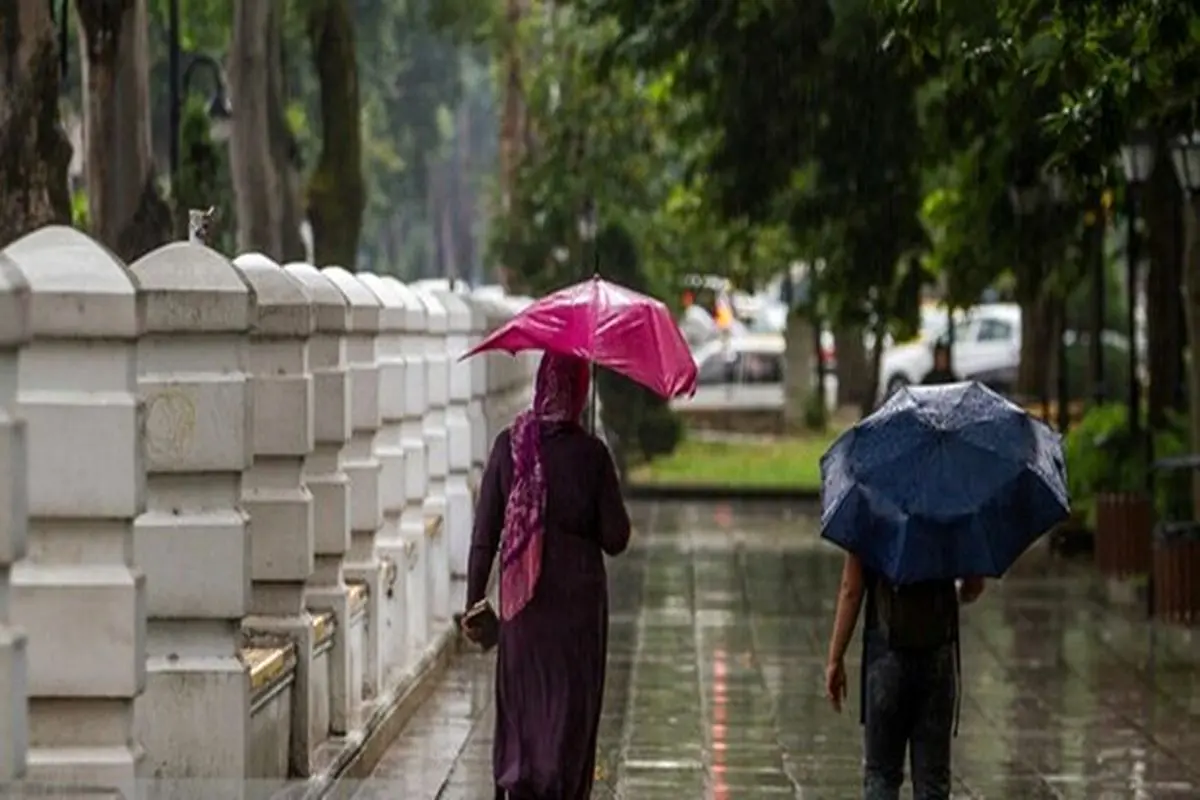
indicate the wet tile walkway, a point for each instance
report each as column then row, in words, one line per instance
column 718, row 634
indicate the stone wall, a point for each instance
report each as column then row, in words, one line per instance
column 235, row 502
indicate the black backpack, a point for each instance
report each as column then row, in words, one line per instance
column 917, row 616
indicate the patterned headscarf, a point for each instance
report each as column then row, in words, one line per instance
column 559, row 396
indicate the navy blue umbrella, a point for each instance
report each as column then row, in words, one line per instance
column 943, row 482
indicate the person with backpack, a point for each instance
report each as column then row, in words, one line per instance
column 909, row 678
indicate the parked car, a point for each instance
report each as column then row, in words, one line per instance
column 987, row 347
column 748, row 358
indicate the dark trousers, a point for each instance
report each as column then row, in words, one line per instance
column 909, row 706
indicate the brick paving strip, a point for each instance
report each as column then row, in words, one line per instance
column 717, row 649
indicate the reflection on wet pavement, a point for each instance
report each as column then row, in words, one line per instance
column 720, row 619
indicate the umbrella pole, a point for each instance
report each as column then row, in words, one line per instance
column 594, row 414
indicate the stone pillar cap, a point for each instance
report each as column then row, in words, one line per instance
column 189, row 288
column 414, row 308
column 392, row 314
column 14, row 304
column 478, row 312
column 364, row 306
column 78, row 289
column 329, row 304
column 284, row 304
column 458, row 312
column 493, row 307
column 436, row 318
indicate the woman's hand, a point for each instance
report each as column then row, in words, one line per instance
column 835, row 683
column 472, row 633
column 969, row 590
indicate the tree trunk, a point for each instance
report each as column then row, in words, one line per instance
column 1165, row 334
column 512, row 115
column 126, row 211
column 798, row 370
column 512, row 131
column 285, row 154
column 258, row 185
column 1191, row 274
column 853, row 369
column 1037, row 345
column 871, row 388
column 34, row 151
column 336, row 190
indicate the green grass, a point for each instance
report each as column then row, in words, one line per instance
column 783, row 463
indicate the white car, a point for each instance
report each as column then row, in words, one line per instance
column 753, row 363
column 746, row 358
column 987, row 344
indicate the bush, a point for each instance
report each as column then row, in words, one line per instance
column 1173, row 488
column 660, row 430
column 816, row 414
column 643, row 424
column 1102, row 457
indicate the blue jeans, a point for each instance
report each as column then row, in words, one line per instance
column 909, row 706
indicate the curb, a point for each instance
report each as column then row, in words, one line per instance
column 701, row 492
column 385, row 722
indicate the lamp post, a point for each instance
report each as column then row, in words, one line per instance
column 1099, row 303
column 1057, row 190
column 1026, row 200
column 219, row 110
column 1137, row 160
column 1185, row 153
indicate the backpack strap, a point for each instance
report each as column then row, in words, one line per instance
column 958, row 688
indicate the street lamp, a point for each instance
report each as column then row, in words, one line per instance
column 1056, row 188
column 220, row 111
column 1026, row 200
column 1186, row 155
column 1137, row 160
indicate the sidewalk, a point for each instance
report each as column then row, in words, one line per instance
column 717, row 652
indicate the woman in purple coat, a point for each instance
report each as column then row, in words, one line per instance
column 551, row 503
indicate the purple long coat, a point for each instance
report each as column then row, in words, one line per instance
column 550, row 660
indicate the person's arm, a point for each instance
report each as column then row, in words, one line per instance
column 849, row 601
column 970, row 589
column 613, row 516
column 489, row 521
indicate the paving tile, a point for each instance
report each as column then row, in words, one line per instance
column 718, row 630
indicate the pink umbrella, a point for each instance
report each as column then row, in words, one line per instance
column 609, row 325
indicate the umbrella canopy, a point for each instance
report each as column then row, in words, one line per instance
column 609, row 325
column 943, row 482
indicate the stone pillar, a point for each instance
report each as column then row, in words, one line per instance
column 458, row 436
column 496, row 368
column 14, row 334
column 362, row 564
column 389, row 450
column 480, row 444
column 192, row 541
column 78, row 595
column 437, row 561
column 274, row 492
column 416, row 477
column 327, row 482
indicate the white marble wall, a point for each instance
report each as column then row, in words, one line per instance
column 192, row 541
column 232, row 497
column 77, row 593
column 437, row 361
column 14, row 512
column 361, row 462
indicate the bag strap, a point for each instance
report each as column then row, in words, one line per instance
column 958, row 687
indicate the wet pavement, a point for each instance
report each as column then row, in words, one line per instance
column 718, row 636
